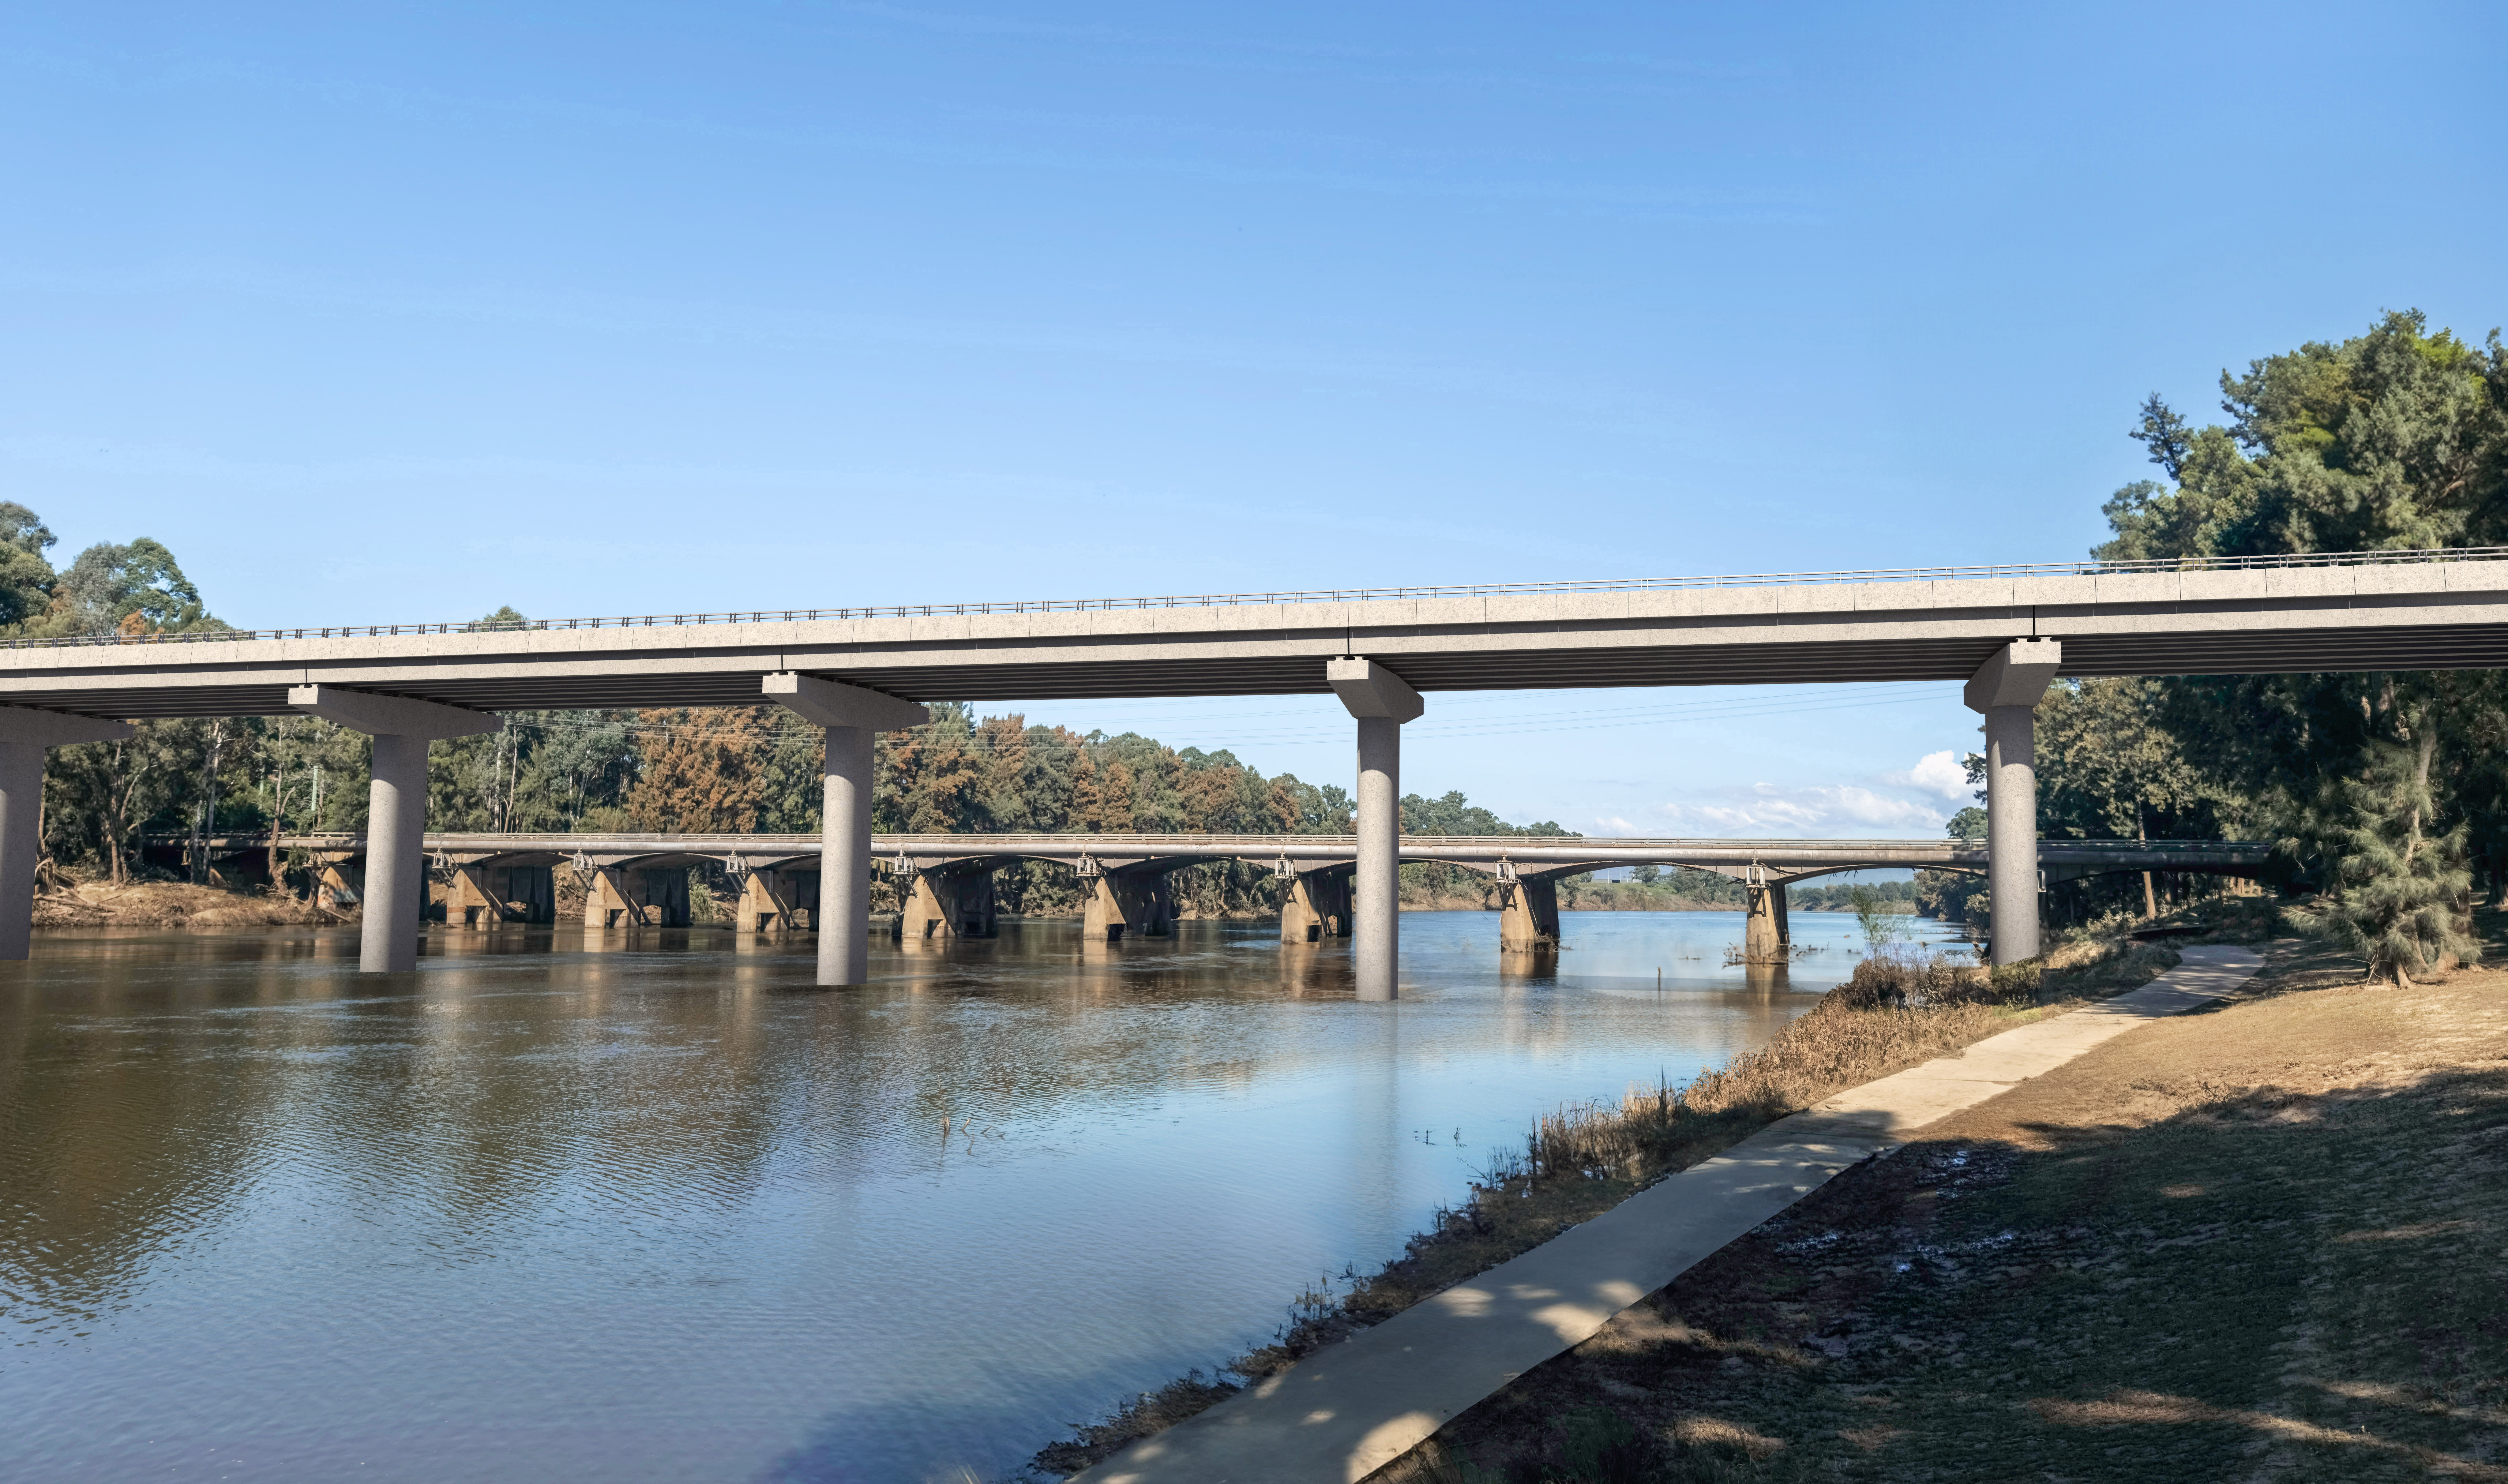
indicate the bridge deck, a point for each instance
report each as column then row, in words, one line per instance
column 2353, row 610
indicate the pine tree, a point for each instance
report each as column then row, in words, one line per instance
column 2399, row 892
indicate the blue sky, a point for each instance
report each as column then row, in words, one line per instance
column 382, row 313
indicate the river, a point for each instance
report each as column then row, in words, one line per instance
column 655, row 1208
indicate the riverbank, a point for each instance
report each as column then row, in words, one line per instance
column 2259, row 1240
column 74, row 904
column 1583, row 1160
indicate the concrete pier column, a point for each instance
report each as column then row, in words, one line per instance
column 1527, row 918
column 948, row 903
column 1761, row 942
column 1381, row 701
column 25, row 735
column 1117, row 903
column 1314, row 906
column 2006, row 690
column 844, row 859
column 852, row 715
column 395, row 808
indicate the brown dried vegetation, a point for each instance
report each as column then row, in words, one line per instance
column 1581, row 1160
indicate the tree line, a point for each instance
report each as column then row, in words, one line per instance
column 2385, row 794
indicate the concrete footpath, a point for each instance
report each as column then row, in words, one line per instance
column 1347, row 1410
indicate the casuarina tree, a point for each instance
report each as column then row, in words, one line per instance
column 2397, row 890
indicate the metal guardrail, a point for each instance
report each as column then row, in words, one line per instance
column 661, row 842
column 2414, row 557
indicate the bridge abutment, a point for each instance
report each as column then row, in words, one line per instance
column 1380, row 701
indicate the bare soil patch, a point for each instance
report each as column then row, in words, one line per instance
column 2266, row 1241
column 1584, row 1159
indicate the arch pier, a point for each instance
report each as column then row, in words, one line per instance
column 945, row 882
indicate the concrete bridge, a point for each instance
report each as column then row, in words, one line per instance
column 2006, row 631
column 945, row 882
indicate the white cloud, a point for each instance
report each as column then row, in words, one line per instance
column 1936, row 773
column 1767, row 812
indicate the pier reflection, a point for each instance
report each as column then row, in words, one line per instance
column 656, row 1187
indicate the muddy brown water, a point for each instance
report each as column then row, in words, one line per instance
column 655, row 1209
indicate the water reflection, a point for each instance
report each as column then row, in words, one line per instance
column 648, row 1206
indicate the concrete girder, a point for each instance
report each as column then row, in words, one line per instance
column 2346, row 612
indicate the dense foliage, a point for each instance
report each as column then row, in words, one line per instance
column 2396, row 439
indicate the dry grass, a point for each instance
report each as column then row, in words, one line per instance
column 1581, row 1160
column 169, row 904
column 2255, row 1242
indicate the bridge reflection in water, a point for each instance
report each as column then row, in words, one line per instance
column 662, row 1211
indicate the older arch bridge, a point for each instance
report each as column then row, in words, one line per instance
column 944, row 881
column 2005, row 631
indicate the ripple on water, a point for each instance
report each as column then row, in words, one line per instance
column 673, row 1213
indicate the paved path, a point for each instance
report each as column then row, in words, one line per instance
column 1347, row 1410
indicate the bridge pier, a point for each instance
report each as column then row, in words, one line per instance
column 774, row 901
column 1528, row 919
column 1767, row 936
column 1315, row 906
column 853, row 717
column 947, row 904
column 2006, row 690
column 630, row 897
column 395, row 888
column 1122, row 901
column 485, row 896
column 27, row 735
column 1381, row 701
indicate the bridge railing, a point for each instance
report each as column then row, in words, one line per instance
column 2414, row 557
column 1179, row 845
